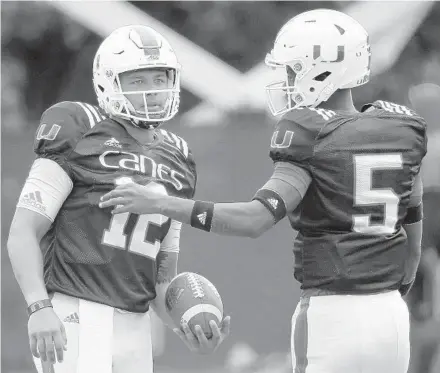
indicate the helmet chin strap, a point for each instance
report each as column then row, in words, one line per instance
column 137, row 122
column 145, row 125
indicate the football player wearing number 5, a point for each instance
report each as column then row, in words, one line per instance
column 349, row 183
column 97, row 274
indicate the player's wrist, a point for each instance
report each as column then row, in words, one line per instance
column 201, row 215
column 175, row 208
column 38, row 305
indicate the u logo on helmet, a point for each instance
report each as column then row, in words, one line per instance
column 340, row 53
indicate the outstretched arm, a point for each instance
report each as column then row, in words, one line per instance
column 282, row 193
column 247, row 219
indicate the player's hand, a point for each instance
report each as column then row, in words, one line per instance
column 132, row 197
column 198, row 343
column 47, row 336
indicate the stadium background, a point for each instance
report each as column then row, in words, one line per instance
column 47, row 51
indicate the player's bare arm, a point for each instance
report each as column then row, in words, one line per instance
column 282, row 193
column 27, row 230
column 47, row 336
column 413, row 226
column 166, row 267
column 166, row 270
column 166, row 264
column 49, row 183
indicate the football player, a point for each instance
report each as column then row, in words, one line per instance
column 349, row 183
column 99, row 273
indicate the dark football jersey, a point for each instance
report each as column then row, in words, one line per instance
column 363, row 166
column 89, row 253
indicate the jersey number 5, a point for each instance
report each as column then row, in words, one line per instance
column 365, row 195
column 144, row 238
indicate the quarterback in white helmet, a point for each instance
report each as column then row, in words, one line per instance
column 349, row 183
column 88, row 277
column 136, row 76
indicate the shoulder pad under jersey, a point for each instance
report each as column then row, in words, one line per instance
column 390, row 108
column 311, row 117
column 401, row 114
column 176, row 142
column 295, row 135
column 62, row 126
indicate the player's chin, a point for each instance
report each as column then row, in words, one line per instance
column 154, row 112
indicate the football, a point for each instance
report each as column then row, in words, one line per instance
column 193, row 299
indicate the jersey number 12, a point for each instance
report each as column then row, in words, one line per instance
column 143, row 236
column 143, row 239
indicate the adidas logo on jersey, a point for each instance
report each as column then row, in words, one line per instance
column 113, row 142
column 72, row 318
column 33, row 199
column 202, row 218
column 273, row 202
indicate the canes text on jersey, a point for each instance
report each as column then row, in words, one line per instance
column 142, row 164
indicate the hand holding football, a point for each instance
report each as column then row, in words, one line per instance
column 193, row 299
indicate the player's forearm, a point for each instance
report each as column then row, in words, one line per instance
column 241, row 219
column 27, row 263
column 176, row 208
column 414, row 237
column 166, row 262
column 230, row 219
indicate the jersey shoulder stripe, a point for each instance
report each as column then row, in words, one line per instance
column 390, row 107
column 94, row 116
column 62, row 126
column 176, row 141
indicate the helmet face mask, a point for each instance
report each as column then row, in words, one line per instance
column 316, row 53
column 136, row 76
column 146, row 94
column 283, row 95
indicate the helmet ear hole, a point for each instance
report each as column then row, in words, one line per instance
column 101, row 88
column 291, row 75
column 323, row 76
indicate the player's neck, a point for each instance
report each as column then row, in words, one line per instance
column 341, row 100
column 141, row 135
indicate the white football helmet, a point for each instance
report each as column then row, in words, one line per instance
column 133, row 48
column 316, row 53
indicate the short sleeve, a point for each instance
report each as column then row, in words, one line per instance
column 61, row 127
column 292, row 142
